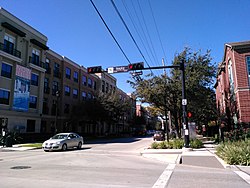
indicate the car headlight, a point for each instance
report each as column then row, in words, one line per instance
column 58, row 143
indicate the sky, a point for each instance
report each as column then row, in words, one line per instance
column 159, row 29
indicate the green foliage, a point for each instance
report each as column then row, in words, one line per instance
column 154, row 145
column 196, row 143
column 103, row 108
column 178, row 143
column 237, row 134
column 235, row 153
column 175, row 144
column 164, row 92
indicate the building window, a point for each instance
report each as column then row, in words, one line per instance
column 34, row 79
column 46, row 85
column 66, row 108
column 68, row 73
column 31, row 125
column 4, row 97
column 89, row 83
column 75, row 76
column 89, row 96
column 33, row 101
column 84, row 96
column 45, row 106
column 55, row 87
column 47, row 66
column 56, row 70
column 75, row 93
column 67, row 91
column 84, row 80
column 248, row 68
column 35, row 56
column 231, row 77
column 6, row 70
column 9, row 43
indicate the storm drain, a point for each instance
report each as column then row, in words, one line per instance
column 20, row 167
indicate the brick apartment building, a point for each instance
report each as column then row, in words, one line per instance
column 38, row 87
column 233, row 84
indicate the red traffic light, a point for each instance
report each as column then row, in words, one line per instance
column 92, row 70
column 136, row 66
column 189, row 114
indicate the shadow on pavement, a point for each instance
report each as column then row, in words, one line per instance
column 112, row 140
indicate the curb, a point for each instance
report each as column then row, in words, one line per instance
column 161, row 151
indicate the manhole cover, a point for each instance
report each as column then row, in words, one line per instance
column 20, row 167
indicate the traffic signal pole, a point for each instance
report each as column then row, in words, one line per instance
column 184, row 105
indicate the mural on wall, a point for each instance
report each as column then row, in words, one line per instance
column 22, row 89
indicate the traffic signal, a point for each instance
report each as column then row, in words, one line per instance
column 92, row 70
column 189, row 114
column 136, row 66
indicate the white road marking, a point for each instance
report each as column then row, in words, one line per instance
column 165, row 176
column 243, row 175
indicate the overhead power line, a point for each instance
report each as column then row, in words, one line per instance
column 117, row 11
column 157, row 29
column 110, row 31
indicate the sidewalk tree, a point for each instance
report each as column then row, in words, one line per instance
column 164, row 92
column 200, row 76
column 102, row 108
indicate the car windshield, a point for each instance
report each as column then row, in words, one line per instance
column 158, row 132
column 60, row 136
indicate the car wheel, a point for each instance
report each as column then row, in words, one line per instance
column 64, row 147
column 79, row 145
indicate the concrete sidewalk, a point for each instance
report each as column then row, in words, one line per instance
column 204, row 157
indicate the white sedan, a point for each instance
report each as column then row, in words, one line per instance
column 63, row 141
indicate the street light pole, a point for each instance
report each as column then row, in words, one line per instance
column 184, row 105
column 57, row 96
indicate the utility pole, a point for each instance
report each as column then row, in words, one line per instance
column 184, row 105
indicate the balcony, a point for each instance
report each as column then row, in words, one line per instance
column 36, row 62
column 11, row 51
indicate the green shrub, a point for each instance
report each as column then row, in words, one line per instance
column 235, row 153
column 154, row 145
column 178, row 143
column 196, row 143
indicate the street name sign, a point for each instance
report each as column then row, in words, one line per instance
column 117, row 69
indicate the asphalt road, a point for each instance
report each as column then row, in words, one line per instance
column 115, row 163
column 107, row 163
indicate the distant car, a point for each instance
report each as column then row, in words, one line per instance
column 159, row 136
column 150, row 132
column 63, row 141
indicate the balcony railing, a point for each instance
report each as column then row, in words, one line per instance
column 35, row 62
column 11, row 51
